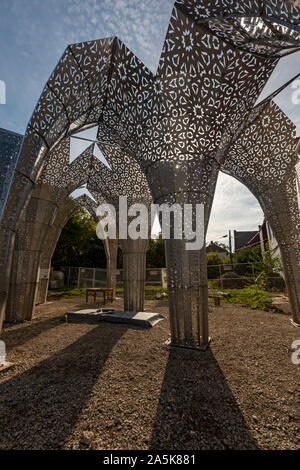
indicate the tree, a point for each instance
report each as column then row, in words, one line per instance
column 221, row 245
column 156, row 253
column 212, row 259
column 269, row 268
column 78, row 244
column 268, row 264
column 245, row 258
column 248, row 255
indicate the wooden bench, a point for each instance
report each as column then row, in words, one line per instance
column 107, row 292
column 216, row 298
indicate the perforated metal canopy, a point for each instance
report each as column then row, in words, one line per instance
column 164, row 137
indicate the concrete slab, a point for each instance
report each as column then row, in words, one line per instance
column 296, row 325
column 5, row 366
column 282, row 303
column 142, row 319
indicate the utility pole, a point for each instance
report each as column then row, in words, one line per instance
column 230, row 247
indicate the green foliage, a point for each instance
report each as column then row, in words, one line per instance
column 269, row 268
column 213, row 258
column 156, row 253
column 266, row 267
column 252, row 296
column 78, row 244
column 221, row 245
column 268, row 264
column 65, row 293
column 249, row 256
column 227, row 259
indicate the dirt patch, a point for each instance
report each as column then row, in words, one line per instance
column 231, row 280
column 109, row 386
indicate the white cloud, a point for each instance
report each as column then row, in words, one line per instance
column 37, row 32
column 287, row 68
column 140, row 24
column 234, row 208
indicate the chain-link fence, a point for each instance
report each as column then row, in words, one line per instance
column 96, row 277
column 216, row 271
column 223, row 275
column 240, row 275
column 84, row 277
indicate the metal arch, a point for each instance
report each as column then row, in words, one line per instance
column 65, row 210
column 51, row 193
column 88, row 204
column 264, row 155
column 73, row 97
column 90, row 79
column 177, row 125
column 206, row 90
column 264, row 159
column 10, row 144
column 251, row 26
column 124, row 178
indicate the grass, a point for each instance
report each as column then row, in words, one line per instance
column 253, row 297
column 65, row 293
column 69, row 292
column 150, row 292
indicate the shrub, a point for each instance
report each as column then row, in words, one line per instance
column 253, row 297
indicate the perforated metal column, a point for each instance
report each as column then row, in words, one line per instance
column 65, row 210
column 111, row 251
column 37, row 220
column 134, row 273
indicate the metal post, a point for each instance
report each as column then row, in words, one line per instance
column 253, row 273
column 222, row 286
column 78, row 279
column 230, row 247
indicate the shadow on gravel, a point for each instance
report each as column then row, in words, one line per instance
column 196, row 408
column 39, row 408
column 16, row 337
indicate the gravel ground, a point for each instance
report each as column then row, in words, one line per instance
column 109, row 386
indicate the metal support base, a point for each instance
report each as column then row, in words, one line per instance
column 6, row 366
column 201, row 348
column 296, row 325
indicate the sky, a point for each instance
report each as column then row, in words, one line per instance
column 35, row 33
